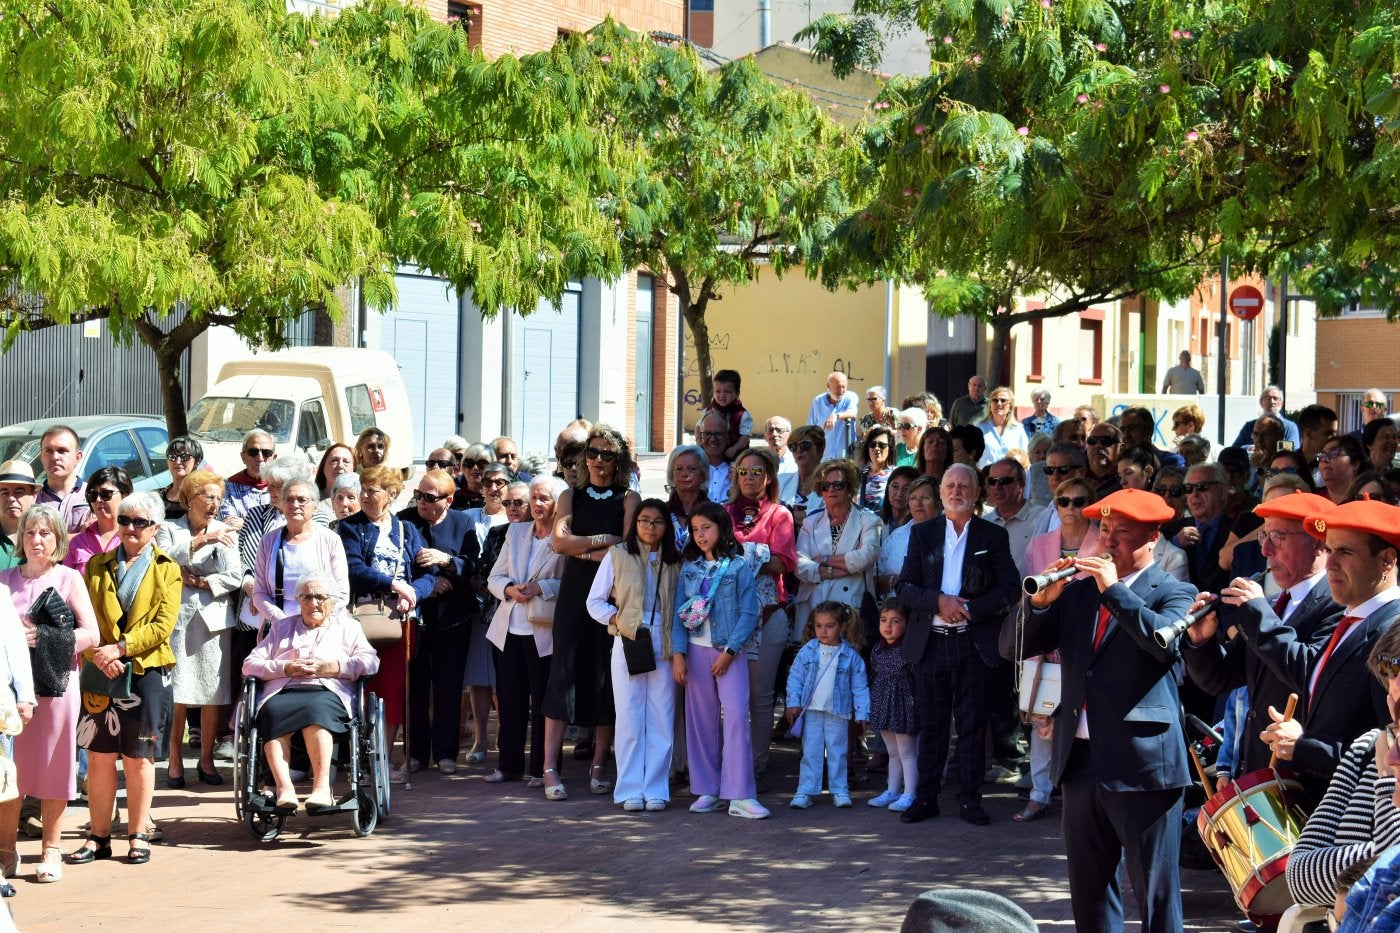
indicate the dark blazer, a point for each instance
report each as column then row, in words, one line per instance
column 456, row 536
column 1128, row 684
column 359, row 535
column 1204, row 564
column 989, row 583
column 1348, row 700
column 1219, row 668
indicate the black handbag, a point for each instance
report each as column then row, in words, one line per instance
column 51, row 658
column 638, row 652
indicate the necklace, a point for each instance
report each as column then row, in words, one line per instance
column 600, row 496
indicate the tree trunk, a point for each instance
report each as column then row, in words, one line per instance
column 700, row 333
column 1001, row 338
column 168, row 347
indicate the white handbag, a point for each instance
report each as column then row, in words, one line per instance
column 1040, row 687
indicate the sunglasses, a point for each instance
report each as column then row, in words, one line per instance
column 1203, row 486
column 1001, row 480
column 1332, row 454
column 1378, row 406
column 1171, row 492
column 1001, row 401
column 599, row 453
column 440, row 464
column 805, row 446
column 1178, row 423
column 906, row 426
column 707, row 436
column 178, row 458
column 420, row 496
column 266, row 453
column 878, row 445
column 1099, row 440
column 140, row 524
column 496, row 483
column 750, row 471
column 106, row 495
column 833, row 486
column 1060, row 471
column 478, row 464
column 1065, row 502
column 513, row 503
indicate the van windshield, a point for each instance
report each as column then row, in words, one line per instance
column 228, row 419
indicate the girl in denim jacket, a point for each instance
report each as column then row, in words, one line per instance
column 828, row 687
column 716, row 613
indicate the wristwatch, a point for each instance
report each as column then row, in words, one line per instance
column 730, row 651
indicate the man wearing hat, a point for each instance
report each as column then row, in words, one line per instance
column 1297, row 562
column 1362, row 540
column 17, row 489
column 1118, row 750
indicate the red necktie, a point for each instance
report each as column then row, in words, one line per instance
column 1337, row 635
column 1102, row 626
column 1281, row 604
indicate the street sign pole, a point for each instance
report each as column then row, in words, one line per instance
column 1220, row 352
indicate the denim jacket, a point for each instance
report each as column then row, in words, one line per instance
column 1372, row 905
column 850, row 695
column 733, row 605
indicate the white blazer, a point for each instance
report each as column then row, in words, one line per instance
column 859, row 543
column 514, row 566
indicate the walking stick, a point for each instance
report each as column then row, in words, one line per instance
column 409, row 625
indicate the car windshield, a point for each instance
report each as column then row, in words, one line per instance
column 228, row 419
column 19, row 447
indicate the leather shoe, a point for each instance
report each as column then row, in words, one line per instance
column 974, row 814
column 920, row 811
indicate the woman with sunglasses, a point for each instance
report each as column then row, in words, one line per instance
column 687, row 470
column 588, row 519
column 1188, row 419
column 246, row 490
column 488, row 523
column 1341, row 458
column 807, row 444
column 761, row 522
column 135, row 592
column 1289, row 463
column 450, row 550
column 838, row 546
column 1076, row 535
column 1168, row 484
column 183, row 455
column 1002, row 431
column 104, row 490
column 475, row 459
column 876, row 464
column 337, row 461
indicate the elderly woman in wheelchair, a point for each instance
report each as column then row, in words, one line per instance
column 308, row 663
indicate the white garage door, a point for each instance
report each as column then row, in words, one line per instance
column 421, row 335
column 545, row 367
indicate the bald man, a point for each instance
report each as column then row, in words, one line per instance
column 835, row 412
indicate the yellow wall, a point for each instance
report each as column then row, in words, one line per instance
column 784, row 338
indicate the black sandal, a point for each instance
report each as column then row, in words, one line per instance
column 141, row 856
column 96, row 853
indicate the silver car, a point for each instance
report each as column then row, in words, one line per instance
column 136, row 443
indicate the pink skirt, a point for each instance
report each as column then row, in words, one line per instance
column 46, row 751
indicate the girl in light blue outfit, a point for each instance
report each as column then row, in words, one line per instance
column 828, row 687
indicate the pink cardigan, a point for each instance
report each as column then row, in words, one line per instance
column 339, row 638
column 1044, row 549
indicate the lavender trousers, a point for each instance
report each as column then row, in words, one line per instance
column 721, row 762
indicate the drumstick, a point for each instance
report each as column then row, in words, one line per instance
column 1287, row 715
column 1201, row 770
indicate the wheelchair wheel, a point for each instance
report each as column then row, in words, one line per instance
column 378, row 764
column 364, row 819
column 243, row 762
column 262, row 826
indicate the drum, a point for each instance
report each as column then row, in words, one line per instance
column 1250, row 828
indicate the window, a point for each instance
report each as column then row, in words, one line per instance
column 1090, row 351
column 467, row 17
column 1037, row 352
column 311, row 429
column 153, row 441
column 117, row 450
column 361, row 408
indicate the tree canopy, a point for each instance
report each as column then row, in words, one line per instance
column 173, row 164
column 1090, row 149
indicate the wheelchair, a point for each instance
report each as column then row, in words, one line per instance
column 361, row 755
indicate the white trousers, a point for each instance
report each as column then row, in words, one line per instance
column 646, row 709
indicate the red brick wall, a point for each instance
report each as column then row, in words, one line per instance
column 1354, row 354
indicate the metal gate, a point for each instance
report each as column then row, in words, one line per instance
column 951, row 357
column 545, row 368
column 421, row 335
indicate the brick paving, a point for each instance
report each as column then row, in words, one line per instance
column 460, row 853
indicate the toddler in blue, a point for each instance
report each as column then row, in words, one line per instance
column 828, row 687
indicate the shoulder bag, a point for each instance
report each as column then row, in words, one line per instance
column 378, row 616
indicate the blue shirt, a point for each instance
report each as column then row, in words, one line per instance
column 843, row 433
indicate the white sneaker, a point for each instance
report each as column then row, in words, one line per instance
column 904, row 802
column 841, row 801
column 705, row 803
column 749, row 809
column 447, row 766
column 634, row 804
column 884, row 800
column 800, row 801
column 655, row 804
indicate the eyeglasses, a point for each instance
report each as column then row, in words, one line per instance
column 805, row 446
column 750, row 471
column 1332, row 454
column 1377, row 406
column 1001, row 401
column 440, row 464
column 495, row 483
column 878, row 445
column 211, row 499
column 1205, row 485
column 702, row 436
column 477, row 464
column 1061, row 470
column 1065, row 502
column 599, row 453
column 1001, row 480
column 296, row 500
column 266, row 453
column 838, row 485
column 179, row 458
column 317, row 598
column 1281, row 471
column 1171, row 492
column 872, row 398
column 511, row 503
column 780, row 430
column 653, row 522
column 567, row 464
column 106, row 495
column 1099, row 440
column 421, row 496
column 140, row 524
column 1275, row 538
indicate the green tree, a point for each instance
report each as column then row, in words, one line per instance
column 732, row 173
column 1091, row 149
column 169, row 165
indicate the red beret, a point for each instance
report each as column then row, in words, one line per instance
column 1368, row 515
column 1297, row 505
column 1136, row 505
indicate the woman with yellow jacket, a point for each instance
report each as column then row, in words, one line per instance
column 136, row 592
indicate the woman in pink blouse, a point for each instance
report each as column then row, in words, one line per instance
column 105, row 490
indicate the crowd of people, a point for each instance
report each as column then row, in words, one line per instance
column 854, row 582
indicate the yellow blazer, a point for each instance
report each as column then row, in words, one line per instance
column 153, row 612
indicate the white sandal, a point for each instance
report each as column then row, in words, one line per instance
column 50, row 870
column 554, row 791
column 597, row 785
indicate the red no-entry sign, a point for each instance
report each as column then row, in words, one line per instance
column 1246, row 302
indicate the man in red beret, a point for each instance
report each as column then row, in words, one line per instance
column 1303, row 605
column 1362, row 541
column 1118, row 752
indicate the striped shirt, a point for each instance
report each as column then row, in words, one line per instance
column 1356, row 820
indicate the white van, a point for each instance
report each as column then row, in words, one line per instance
column 307, row 398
